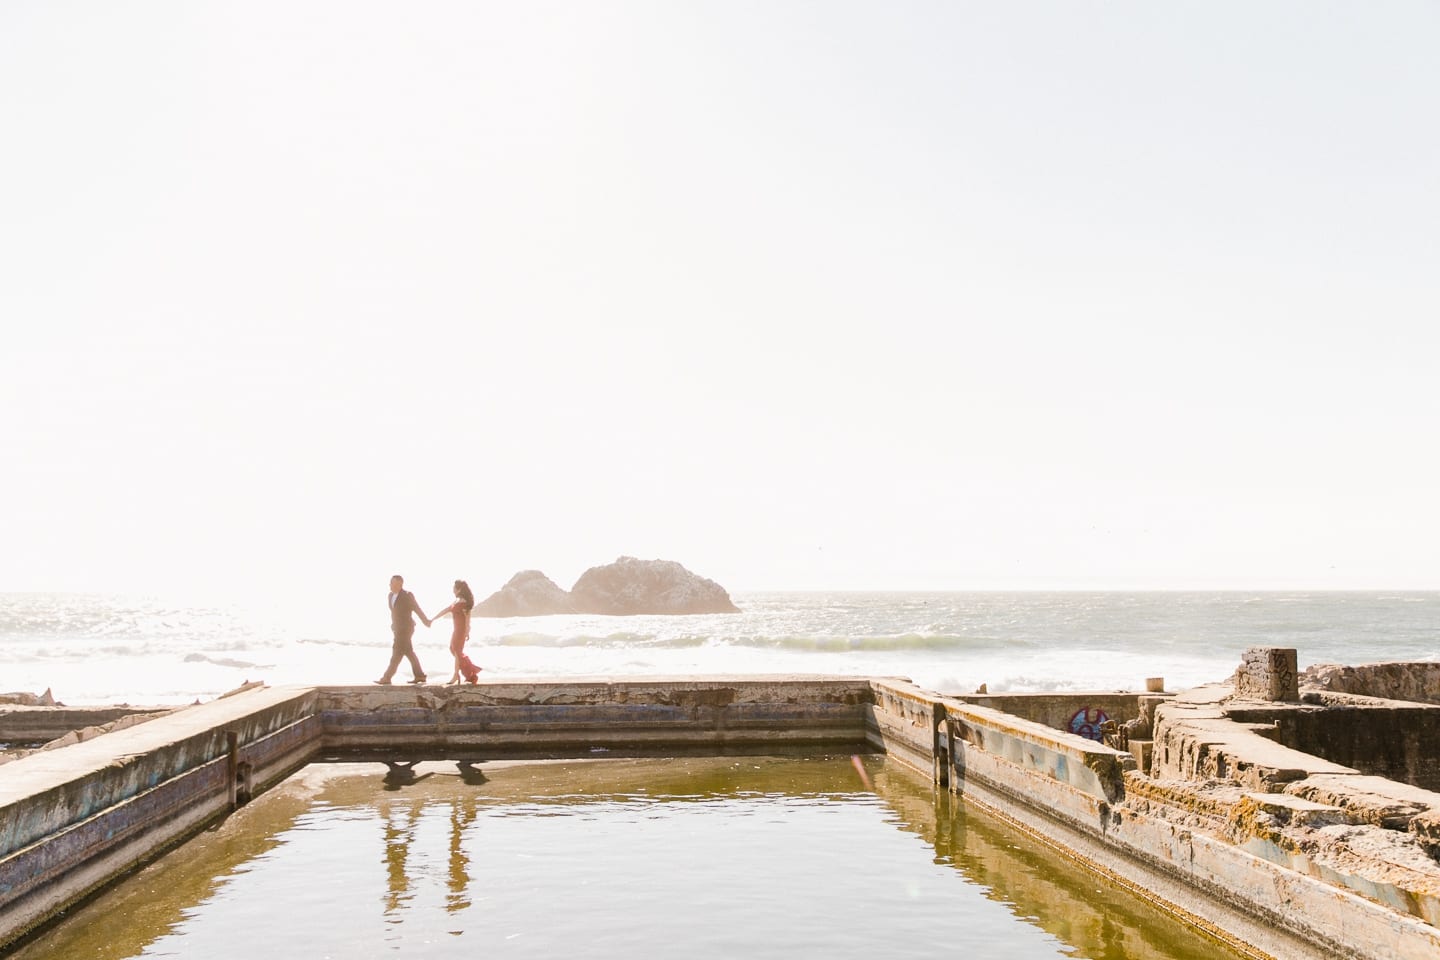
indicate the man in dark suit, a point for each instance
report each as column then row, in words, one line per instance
column 403, row 610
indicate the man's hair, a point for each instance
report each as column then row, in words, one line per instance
column 397, row 577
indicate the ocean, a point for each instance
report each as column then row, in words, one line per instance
column 90, row 649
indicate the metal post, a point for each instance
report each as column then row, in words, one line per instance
column 232, row 767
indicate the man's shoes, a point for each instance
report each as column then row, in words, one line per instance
column 418, row 680
column 383, row 682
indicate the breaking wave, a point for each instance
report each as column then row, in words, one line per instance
column 105, row 649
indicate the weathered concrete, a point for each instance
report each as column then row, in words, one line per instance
column 1063, row 790
column 1267, row 673
column 1196, row 739
column 1365, row 799
column 1053, row 892
column 72, row 820
column 32, row 725
column 1273, row 874
column 1277, row 851
column 640, row 717
column 1416, row 682
column 1385, row 738
column 1263, row 777
column 1065, row 711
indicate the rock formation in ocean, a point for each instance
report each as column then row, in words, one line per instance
column 627, row 586
column 631, row 586
column 528, row 594
column 25, row 699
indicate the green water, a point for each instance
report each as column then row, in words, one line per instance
column 704, row 858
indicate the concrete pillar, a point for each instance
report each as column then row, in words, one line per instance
column 1268, row 673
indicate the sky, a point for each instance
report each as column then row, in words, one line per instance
column 804, row 295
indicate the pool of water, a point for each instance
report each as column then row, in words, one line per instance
column 705, row 858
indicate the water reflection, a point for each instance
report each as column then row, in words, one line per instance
column 461, row 816
column 429, row 830
column 1102, row 922
column 399, row 821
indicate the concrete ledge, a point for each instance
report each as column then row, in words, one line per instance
column 1202, row 743
column 904, row 724
column 35, row 725
column 1089, row 767
column 1279, row 853
column 1057, row 710
column 47, row 791
column 639, row 717
column 1416, row 681
column 1289, row 913
column 74, row 819
column 1217, row 856
column 1374, row 800
column 1387, row 738
column 1157, row 872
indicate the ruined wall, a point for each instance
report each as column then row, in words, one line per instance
column 1079, row 713
column 73, row 819
column 705, row 716
column 1384, row 739
column 1418, row 682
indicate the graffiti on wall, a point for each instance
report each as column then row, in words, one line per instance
column 1088, row 721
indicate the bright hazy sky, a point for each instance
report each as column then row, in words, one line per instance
column 801, row 294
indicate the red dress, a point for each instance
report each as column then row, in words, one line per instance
column 468, row 670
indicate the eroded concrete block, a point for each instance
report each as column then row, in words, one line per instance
column 1267, row 815
column 1426, row 828
column 1193, row 745
column 1417, row 681
column 1365, row 799
column 1141, row 750
column 1268, row 673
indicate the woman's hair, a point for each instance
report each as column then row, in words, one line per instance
column 463, row 589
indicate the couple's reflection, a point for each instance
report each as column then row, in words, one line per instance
column 406, row 831
column 456, row 897
column 400, row 822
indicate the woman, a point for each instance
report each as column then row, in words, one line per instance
column 460, row 610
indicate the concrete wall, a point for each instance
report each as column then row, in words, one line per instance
column 1417, row 682
column 1224, row 771
column 74, row 819
column 641, row 717
column 1072, row 712
column 1385, row 738
column 1053, row 892
column 1221, row 857
column 31, row 726
column 1279, row 853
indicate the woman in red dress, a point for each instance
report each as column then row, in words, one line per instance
column 460, row 610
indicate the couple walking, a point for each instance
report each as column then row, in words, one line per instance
column 403, row 611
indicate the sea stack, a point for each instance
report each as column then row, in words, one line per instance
column 630, row 586
column 528, row 594
column 623, row 588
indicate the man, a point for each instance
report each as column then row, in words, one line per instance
column 403, row 609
